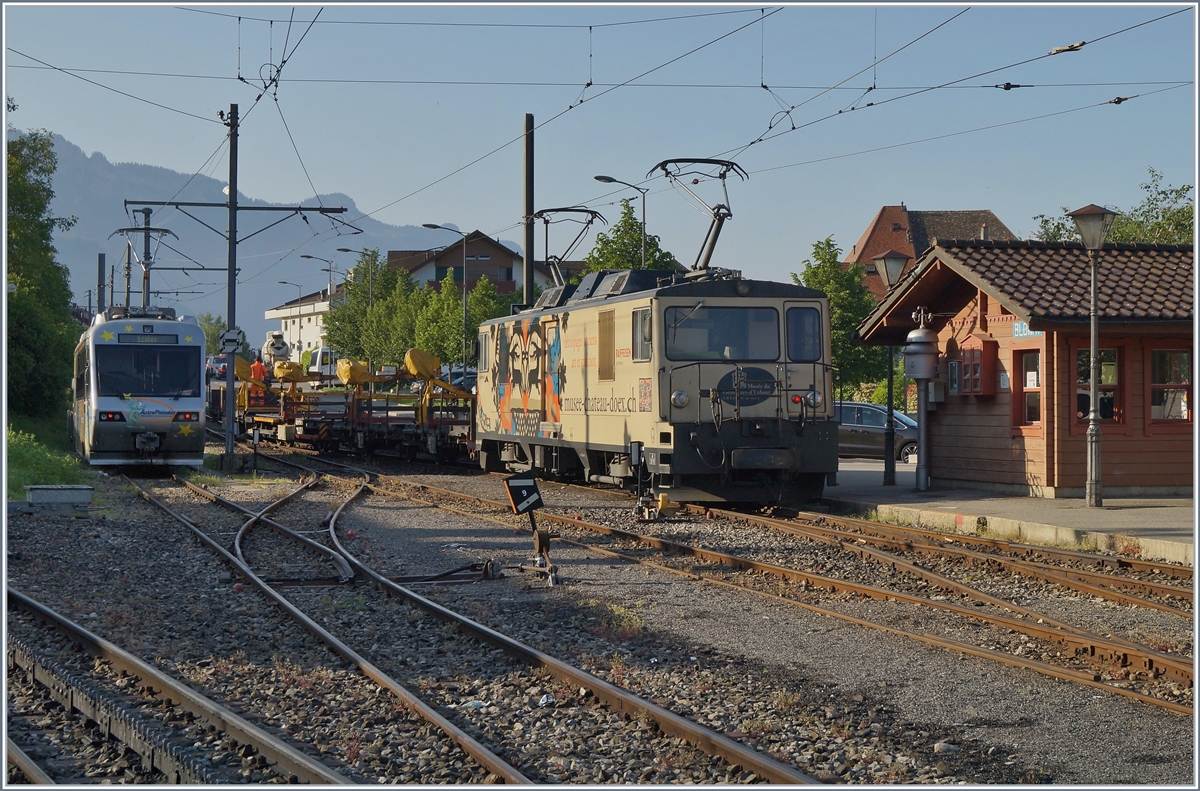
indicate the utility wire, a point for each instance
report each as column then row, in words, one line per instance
column 482, row 24
column 297, row 150
column 1117, row 101
column 552, row 119
column 114, row 90
column 543, row 84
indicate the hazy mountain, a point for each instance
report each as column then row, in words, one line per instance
column 94, row 190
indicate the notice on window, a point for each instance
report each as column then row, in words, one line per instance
column 1031, row 379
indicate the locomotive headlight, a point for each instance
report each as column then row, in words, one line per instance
column 814, row 399
column 114, row 417
column 679, row 399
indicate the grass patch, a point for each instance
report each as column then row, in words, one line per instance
column 31, row 463
column 49, row 431
column 253, row 478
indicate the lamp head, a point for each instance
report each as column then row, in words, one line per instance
column 1093, row 223
column 605, row 179
column 433, row 226
column 890, row 265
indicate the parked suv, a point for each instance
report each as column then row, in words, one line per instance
column 861, row 431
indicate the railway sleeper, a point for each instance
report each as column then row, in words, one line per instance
column 180, row 764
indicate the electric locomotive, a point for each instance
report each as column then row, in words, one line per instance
column 704, row 386
column 138, row 390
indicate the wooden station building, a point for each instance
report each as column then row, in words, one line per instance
column 1009, row 410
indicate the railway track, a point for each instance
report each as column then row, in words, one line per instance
column 1047, row 645
column 618, row 712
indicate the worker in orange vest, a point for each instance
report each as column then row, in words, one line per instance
column 258, row 370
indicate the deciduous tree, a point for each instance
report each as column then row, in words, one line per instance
column 41, row 333
column 1165, row 216
column 849, row 303
column 621, row 247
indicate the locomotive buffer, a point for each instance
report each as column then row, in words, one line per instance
column 525, row 498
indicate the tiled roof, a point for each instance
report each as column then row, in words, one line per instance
column 1051, row 280
column 924, row 226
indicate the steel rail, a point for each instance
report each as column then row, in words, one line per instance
column 1014, row 547
column 484, row 756
column 1045, row 668
column 159, row 684
column 1100, row 649
column 1026, row 568
column 616, row 698
column 343, row 568
column 20, row 759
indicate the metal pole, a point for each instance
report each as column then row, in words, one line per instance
column 465, row 319
column 922, row 435
column 889, row 433
column 128, row 267
column 230, row 381
column 643, row 228
column 89, row 296
column 527, row 285
column 100, row 283
column 146, row 259
column 1095, row 494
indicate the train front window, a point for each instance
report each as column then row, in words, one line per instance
column 170, row 371
column 804, row 335
column 746, row 334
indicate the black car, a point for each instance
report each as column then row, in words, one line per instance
column 861, row 431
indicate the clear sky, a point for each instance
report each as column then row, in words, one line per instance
column 416, row 111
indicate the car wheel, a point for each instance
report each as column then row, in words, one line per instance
column 908, row 453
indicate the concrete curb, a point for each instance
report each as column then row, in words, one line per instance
column 1026, row 532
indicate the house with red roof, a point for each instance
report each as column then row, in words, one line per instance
column 1010, row 407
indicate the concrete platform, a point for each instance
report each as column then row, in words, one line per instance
column 1161, row 528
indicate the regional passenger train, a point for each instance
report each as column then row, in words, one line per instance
column 726, row 383
column 138, row 391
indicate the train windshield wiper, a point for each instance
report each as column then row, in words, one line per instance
column 675, row 324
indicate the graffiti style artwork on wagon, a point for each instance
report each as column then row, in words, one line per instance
column 530, row 374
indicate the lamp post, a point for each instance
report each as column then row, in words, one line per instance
column 889, row 265
column 643, row 190
column 370, row 276
column 465, row 319
column 299, row 292
column 1093, row 223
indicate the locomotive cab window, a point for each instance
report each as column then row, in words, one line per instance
column 804, row 335
column 721, row 333
column 642, row 335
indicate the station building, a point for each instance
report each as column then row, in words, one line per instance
column 1010, row 407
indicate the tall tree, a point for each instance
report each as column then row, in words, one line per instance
column 213, row 326
column 621, row 248
column 41, row 333
column 440, row 322
column 1165, row 216
column 849, row 303
column 347, row 323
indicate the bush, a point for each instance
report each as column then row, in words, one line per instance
column 31, row 464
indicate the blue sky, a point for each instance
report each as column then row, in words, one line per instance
column 394, row 113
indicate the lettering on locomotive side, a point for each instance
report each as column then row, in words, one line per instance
column 612, row 403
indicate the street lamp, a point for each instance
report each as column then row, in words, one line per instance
column 643, row 190
column 889, row 265
column 1093, row 223
column 299, row 292
column 329, row 291
column 370, row 276
column 465, row 320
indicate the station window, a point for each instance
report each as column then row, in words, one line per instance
column 1027, row 388
column 1108, row 386
column 642, row 329
column 482, row 363
column 440, row 272
column 1170, row 384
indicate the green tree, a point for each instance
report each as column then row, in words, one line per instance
column 369, row 281
column 621, row 248
column 1165, row 216
column 41, row 333
column 213, row 326
column 392, row 323
column 849, row 304
column 440, row 322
